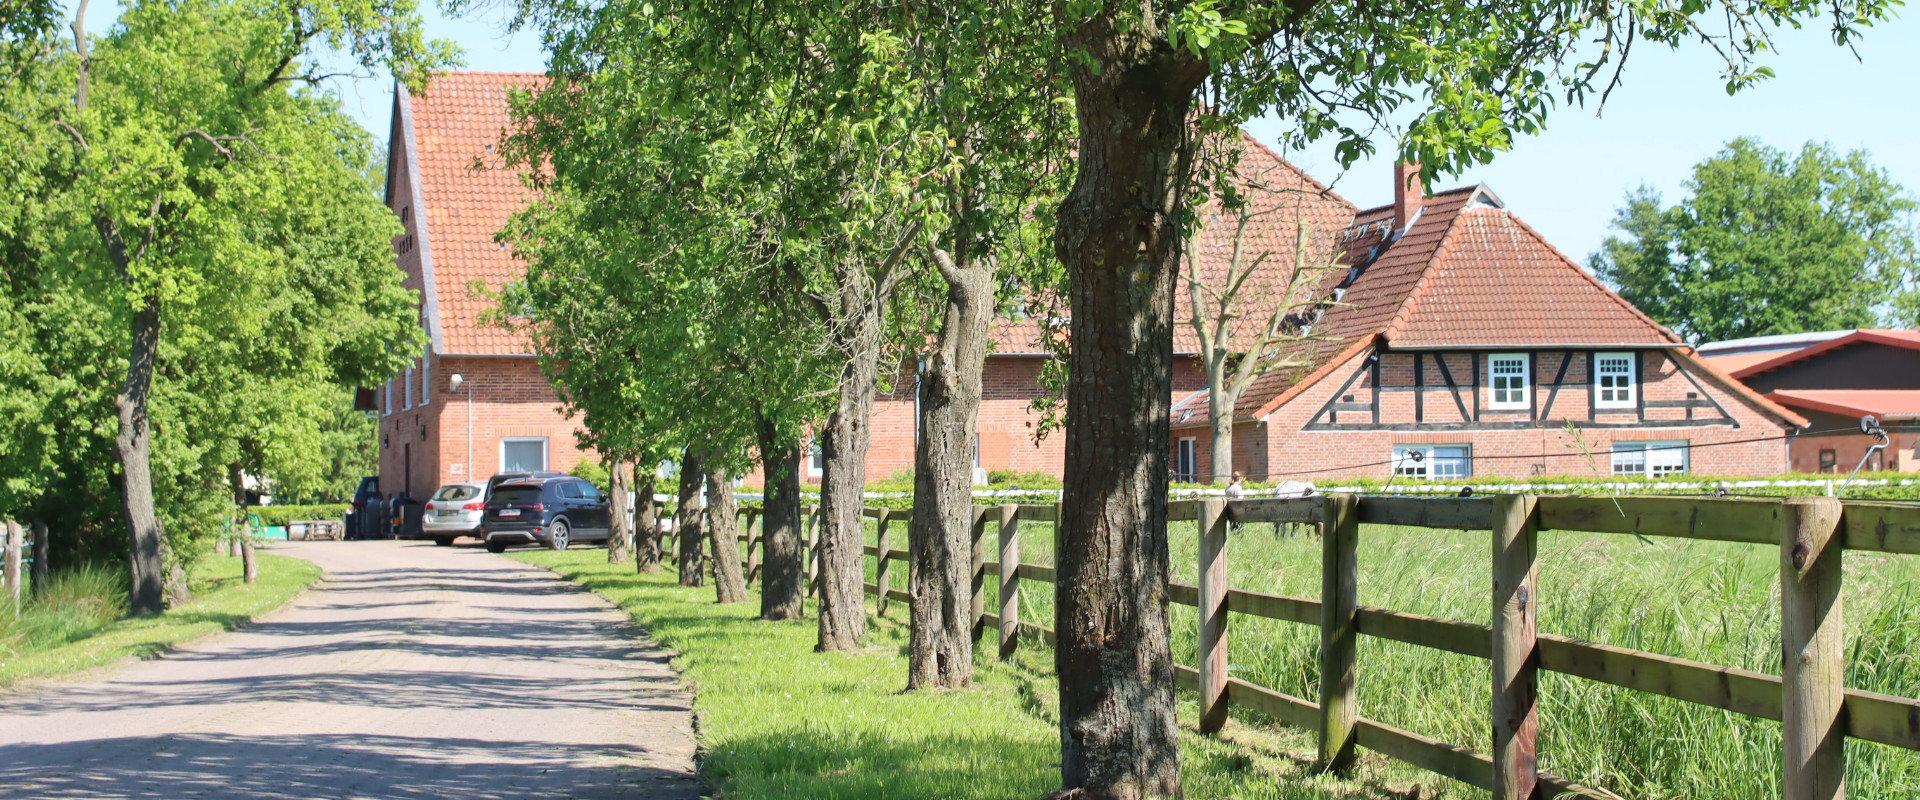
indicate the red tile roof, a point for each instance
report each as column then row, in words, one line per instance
column 1884, row 403
column 1907, row 339
column 1465, row 273
column 1734, row 362
column 466, row 193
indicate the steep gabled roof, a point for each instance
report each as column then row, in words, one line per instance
column 465, row 194
column 1464, row 273
column 1904, row 339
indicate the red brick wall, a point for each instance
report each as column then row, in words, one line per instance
column 1323, row 455
column 510, row 399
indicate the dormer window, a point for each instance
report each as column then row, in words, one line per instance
column 1509, row 382
column 1614, row 380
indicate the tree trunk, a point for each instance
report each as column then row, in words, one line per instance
column 646, row 526
column 693, row 562
column 42, row 560
column 940, row 536
column 843, row 482
column 1220, row 423
column 147, row 589
column 783, row 583
column 10, row 573
column 723, row 525
column 241, row 535
column 619, row 528
column 1119, row 237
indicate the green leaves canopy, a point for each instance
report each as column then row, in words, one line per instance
column 1770, row 242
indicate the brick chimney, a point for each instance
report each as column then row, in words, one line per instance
column 1407, row 192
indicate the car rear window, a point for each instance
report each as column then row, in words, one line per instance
column 457, row 493
column 515, row 494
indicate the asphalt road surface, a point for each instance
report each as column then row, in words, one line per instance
column 412, row 671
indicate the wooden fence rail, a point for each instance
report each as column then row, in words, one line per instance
column 1811, row 701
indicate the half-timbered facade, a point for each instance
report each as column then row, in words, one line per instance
column 1459, row 343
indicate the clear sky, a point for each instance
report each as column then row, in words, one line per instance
column 1671, row 112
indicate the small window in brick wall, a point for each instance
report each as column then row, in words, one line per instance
column 1649, row 459
column 1432, row 462
column 1507, row 377
column 1828, row 461
column 1614, row 380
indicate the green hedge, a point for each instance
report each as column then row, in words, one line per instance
column 275, row 516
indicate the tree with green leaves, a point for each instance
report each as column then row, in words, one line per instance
column 199, row 171
column 1770, row 242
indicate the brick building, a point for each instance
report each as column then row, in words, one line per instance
column 1835, row 378
column 503, row 415
column 1463, row 344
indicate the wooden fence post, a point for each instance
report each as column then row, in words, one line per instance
column 1009, row 581
column 980, row 514
column 1213, row 615
column 12, row 577
column 753, row 543
column 809, row 548
column 1813, row 649
column 1516, row 659
column 880, row 562
column 1339, row 578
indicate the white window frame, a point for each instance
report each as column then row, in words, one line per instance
column 1187, row 450
column 1624, row 396
column 816, row 459
column 1652, row 459
column 1524, row 390
column 409, row 387
column 426, row 379
column 386, row 399
column 1421, row 469
column 546, row 452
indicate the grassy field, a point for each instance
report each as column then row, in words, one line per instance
column 777, row 720
column 1707, row 601
column 79, row 623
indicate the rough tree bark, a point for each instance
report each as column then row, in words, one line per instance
column 843, row 480
column 783, row 586
column 940, row 536
column 687, row 520
column 1119, row 237
column 133, row 442
column 619, row 528
column 723, row 526
column 249, row 568
column 646, row 525
column 42, row 559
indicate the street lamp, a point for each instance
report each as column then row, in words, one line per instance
column 455, row 383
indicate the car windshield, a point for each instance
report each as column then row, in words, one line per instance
column 457, row 493
column 507, row 495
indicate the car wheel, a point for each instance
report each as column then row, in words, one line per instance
column 557, row 539
column 496, row 547
column 443, row 541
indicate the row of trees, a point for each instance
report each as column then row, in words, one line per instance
column 753, row 216
column 197, row 265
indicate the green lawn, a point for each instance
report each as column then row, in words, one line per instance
column 79, row 627
column 777, row 720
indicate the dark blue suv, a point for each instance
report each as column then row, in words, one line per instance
column 554, row 512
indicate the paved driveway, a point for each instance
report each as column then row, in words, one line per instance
column 413, row 671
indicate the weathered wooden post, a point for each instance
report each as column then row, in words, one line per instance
column 1213, row 615
column 1009, row 581
column 1516, row 629
column 1813, row 649
column 753, row 544
column 1339, row 579
column 880, row 562
column 812, row 548
column 980, row 515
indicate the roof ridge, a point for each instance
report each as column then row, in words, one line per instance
column 1594, row 282
column 1389, row 206
column 1323, row 189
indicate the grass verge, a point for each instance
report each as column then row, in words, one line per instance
column 78, row 626
column 777, row 720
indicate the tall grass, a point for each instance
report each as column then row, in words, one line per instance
column 1713, row 602
column 75, row 604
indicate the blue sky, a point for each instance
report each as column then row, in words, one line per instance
column 1671, row 112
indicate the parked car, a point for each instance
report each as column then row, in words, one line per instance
column 364, row 521
column 551, row 511
column 502, row 477
column 453, row 512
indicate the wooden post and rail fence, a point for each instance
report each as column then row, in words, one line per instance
column 1817, row 712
